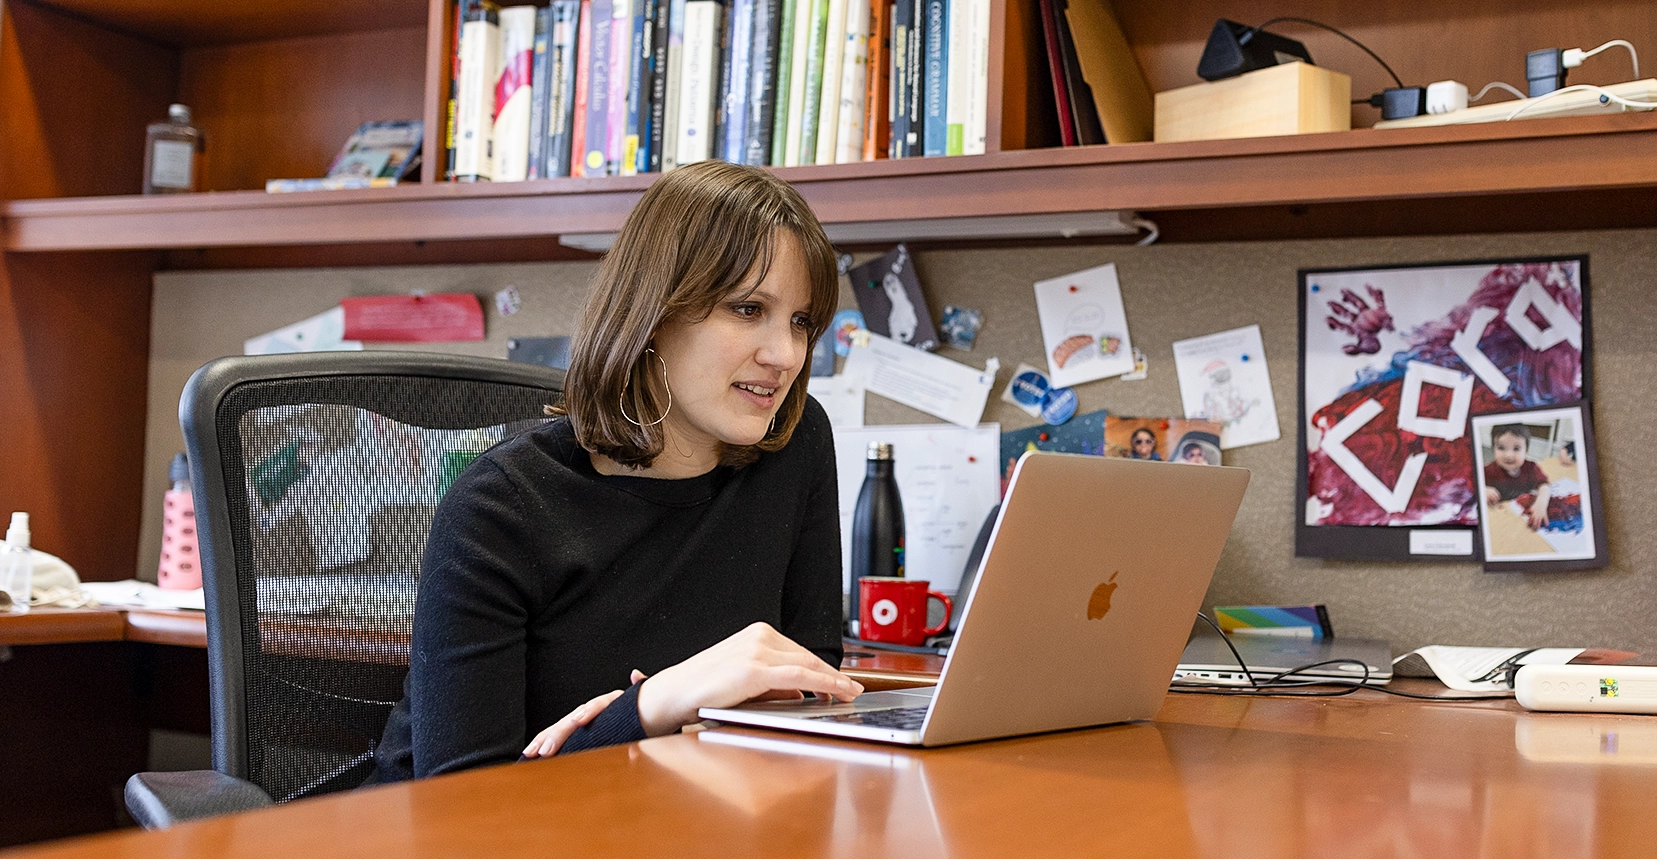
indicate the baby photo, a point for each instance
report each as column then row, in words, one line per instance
column 1533, row 491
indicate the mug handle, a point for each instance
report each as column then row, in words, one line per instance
column 949, row 609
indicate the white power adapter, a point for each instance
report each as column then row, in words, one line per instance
column 1587, row 688
column 1446, row 97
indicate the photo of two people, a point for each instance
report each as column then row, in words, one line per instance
column 1163, row 439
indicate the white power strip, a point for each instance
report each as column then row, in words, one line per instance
column 1565, row 104
column 1587, row 688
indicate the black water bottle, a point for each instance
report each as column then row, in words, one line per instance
column 877, row 525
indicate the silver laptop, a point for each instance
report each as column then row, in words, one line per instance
column 1208, row 662
column 1084, row 598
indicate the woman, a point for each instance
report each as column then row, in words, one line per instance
column 673, row 537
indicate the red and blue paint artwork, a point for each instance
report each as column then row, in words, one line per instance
column 1403, row 357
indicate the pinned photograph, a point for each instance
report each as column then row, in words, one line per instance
column 889, row 294
column 1083, row 326
column 1163, row 439
column 960, row 326
column 1538, row 491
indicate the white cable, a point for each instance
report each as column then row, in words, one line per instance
column 1573, row 57
column 1605, row 97
column 1150, row 228
column 1497, row 85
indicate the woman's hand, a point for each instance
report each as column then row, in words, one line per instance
column 757, row 662
column 548, row 742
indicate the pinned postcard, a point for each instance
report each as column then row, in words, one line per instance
column 1084, row 327
column 921, row 380
column 841, row 396
column 324, row 332
column 440, row 317
column 948, row 479
column 890, row 295
column 1223, row 378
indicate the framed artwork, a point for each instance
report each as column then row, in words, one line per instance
column 1538, row 491
column 1394, row 363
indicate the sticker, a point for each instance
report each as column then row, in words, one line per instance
column 1027, row 389
column 508, row 301
column 845, row 322
column 1141, row 367
column 1058, row 406
column 960, row 326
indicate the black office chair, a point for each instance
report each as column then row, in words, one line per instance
column 315, row 480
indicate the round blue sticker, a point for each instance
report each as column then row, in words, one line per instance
column 1058, row 406
column 845, row 322
column 1029, row 389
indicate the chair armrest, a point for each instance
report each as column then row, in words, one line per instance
column 158, row 800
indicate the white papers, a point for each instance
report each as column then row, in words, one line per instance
column 1425, row 541
column 921, row 380
column 1083, row 326
column 948, row 479
column 1223, row 378
column 142, row 595
column 324, row 332
column 841, row 396
column 1461, row 667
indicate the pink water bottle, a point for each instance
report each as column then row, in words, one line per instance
column 180, row 566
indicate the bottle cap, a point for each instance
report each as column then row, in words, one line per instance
column 880, row 450
column 178, row 113
column 18, row 534
column 179, row 470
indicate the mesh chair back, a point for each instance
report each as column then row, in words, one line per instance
column 315, row 480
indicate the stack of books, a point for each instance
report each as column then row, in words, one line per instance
column 620, row 87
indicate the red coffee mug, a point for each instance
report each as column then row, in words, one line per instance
column 893, row 610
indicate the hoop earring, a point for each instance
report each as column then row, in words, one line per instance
column 773, row 425
column 621, row 402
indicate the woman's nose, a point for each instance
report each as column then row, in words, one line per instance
column 782, row 348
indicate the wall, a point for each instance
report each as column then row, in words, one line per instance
column 1171, row 292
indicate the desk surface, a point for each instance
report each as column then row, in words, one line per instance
column 1365, row 775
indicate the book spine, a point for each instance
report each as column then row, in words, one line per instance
column 978, row 76
column 539, row 95
column 903, row 35
column 853, row 84
column 700, row 85
column 561, row 84
column 799, row 60
column 813, row 82
column 785, row 83
column 643, row 26
column 957, row 67
column 762, row 84
column 733, row 111
column 828, row 109
column 475, row 105
column 598, row 89
column 512, row 94
column 934, row 128
column 621, row 79
column 916, row 78
column 1055, row 70
column 673, row 125
column 877, row 115
column 657, row 116
column 458, row 20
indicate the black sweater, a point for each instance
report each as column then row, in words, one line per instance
column 545, row 583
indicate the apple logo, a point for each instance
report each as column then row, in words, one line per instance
column 1099, row 603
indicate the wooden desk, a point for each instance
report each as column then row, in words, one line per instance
column 81, row 625
column 1365, row 775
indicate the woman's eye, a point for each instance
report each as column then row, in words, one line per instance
column 746, row 309
column 802, row 321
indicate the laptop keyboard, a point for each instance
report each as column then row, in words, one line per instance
column 899, row 718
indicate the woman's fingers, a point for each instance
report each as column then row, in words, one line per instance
column 548, row 742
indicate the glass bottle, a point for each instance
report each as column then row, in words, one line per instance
column 877, row 525
column 172, row 153
column 17, row 563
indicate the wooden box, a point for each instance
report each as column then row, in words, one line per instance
column 1293, row 98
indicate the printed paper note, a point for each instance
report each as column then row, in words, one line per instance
column 1223, row 378
column 1083, row 326
column 921, row 380
column 324, row 332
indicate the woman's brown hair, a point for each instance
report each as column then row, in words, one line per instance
column 699, row 234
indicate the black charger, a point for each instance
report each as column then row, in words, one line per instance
column 1400, row 102
column 1235, row 48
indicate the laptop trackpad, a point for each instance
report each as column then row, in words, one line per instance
column 868, row 701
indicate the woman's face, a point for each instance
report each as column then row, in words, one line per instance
column 730, row 372
column 1144, row 444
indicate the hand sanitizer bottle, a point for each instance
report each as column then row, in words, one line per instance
column 17, row 565
column 172, row 153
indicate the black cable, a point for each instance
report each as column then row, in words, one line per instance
column 1243, row 40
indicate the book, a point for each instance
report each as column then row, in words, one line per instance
column 905, row 42
column 828, row 106
column 643, row 26
column 457, row 21
column 877, row 117
column 1055, row 72
column 805, row 20
column 597, row 65
column 935, row 71
column 762, row 83
column 785, row 82
column 345, row 183
column 620, row 81
column 380, row 150
column 562, row 56
column 957, row 67
column 539, row 94
column 809, row 108
column 672, row 124
column 1121, row 95
column 512, row 94
column 848, row 145
column 1086, row 117
column 480, row 51
column 657, row 115
column 733, row 113
column 978, row 77
column 700, row 85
